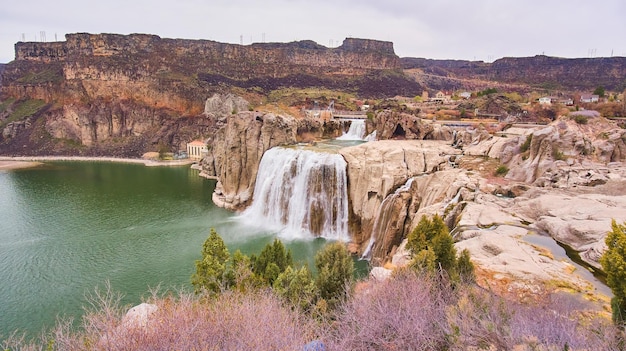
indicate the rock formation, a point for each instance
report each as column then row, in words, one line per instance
column 565, row 73
column 124, row 95
column 236, row 151
column 377, row 169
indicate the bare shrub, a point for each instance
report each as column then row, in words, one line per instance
column 405, row 313
column 233, row 321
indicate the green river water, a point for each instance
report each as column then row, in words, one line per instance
column 69, row 227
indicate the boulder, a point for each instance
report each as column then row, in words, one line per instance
column 138, row 317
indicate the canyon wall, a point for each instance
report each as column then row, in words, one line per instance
column 109, row 93
column 570, row 74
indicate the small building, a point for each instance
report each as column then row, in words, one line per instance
column 465, row 95
column 589, row 98
column 546, row 100
column 441, row 97
column 197, row 149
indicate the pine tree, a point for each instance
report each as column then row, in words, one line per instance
column 613, row 263
column 297, row 287
column 273, row 260
column 211, row 269
column 335, row 270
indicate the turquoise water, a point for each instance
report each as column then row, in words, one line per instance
column 67, row 228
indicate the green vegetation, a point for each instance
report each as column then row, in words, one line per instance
column 412, row 310
column 23, row 109
column 274, row 268
column 6, row 104
column 613, row 263
column 211, row 269
column 599, row 91
column 526, row 145
column 273, row 260
column 49, row 75
column 557, row 154
column 433, row 249
column 502, row 170
column 335, row 270
column 487, row 92
column 581, row 119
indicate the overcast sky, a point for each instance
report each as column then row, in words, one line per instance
column 442, row 29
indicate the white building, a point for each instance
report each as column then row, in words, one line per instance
column 197, row 149
column 589, row 98
column 546, row 100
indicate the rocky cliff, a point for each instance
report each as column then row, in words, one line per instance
column 579, row 74
column 113, row 94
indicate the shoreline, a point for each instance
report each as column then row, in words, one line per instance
column 22, row 162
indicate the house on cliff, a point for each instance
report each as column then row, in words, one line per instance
column 589, row 98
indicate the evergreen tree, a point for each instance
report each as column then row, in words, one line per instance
column 211, row 269
column 466, row 267
column 613, row 263
column 432, row 248
column 297, row 287
column 335, row 270
column 273, row 260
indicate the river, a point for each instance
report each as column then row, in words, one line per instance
column 68, row 227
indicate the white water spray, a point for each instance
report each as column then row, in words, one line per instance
column 356, row 131
column 301, row 194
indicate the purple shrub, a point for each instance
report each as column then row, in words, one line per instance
column 406, row 313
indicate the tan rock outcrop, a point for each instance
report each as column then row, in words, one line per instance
column 377, row 169
column 236, row 151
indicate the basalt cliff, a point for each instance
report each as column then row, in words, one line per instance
column 537, row 72
column 124, row 95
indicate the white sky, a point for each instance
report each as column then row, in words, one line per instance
column 442, row 29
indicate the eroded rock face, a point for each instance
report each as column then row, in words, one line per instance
column 377, row 169
column 236, row 151
column 403, row 126
column 565, row 146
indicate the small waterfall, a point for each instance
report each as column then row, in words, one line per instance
column 356, row 131
column 371, row 136
column 301, row 194
column 383, row 217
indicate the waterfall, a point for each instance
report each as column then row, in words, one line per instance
column 301, row 194
column 383, row 217
column 356, row 131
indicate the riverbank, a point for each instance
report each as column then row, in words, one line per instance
column 21, row 162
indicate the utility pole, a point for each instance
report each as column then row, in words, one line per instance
column 42, row 36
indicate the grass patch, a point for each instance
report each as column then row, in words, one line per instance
column 558, row 155
column 23, row 109
column 580, row 119
column 5, row 104
column 526, row 145
column 501, row 171
column 43, row 76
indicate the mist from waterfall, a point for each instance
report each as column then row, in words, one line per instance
column 356, row 130
column 301, row 194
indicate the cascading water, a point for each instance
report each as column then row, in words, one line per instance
column 356, row 131
column 383, row 217
column 301, row 194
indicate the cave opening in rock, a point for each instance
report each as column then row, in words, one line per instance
column 399, row 133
